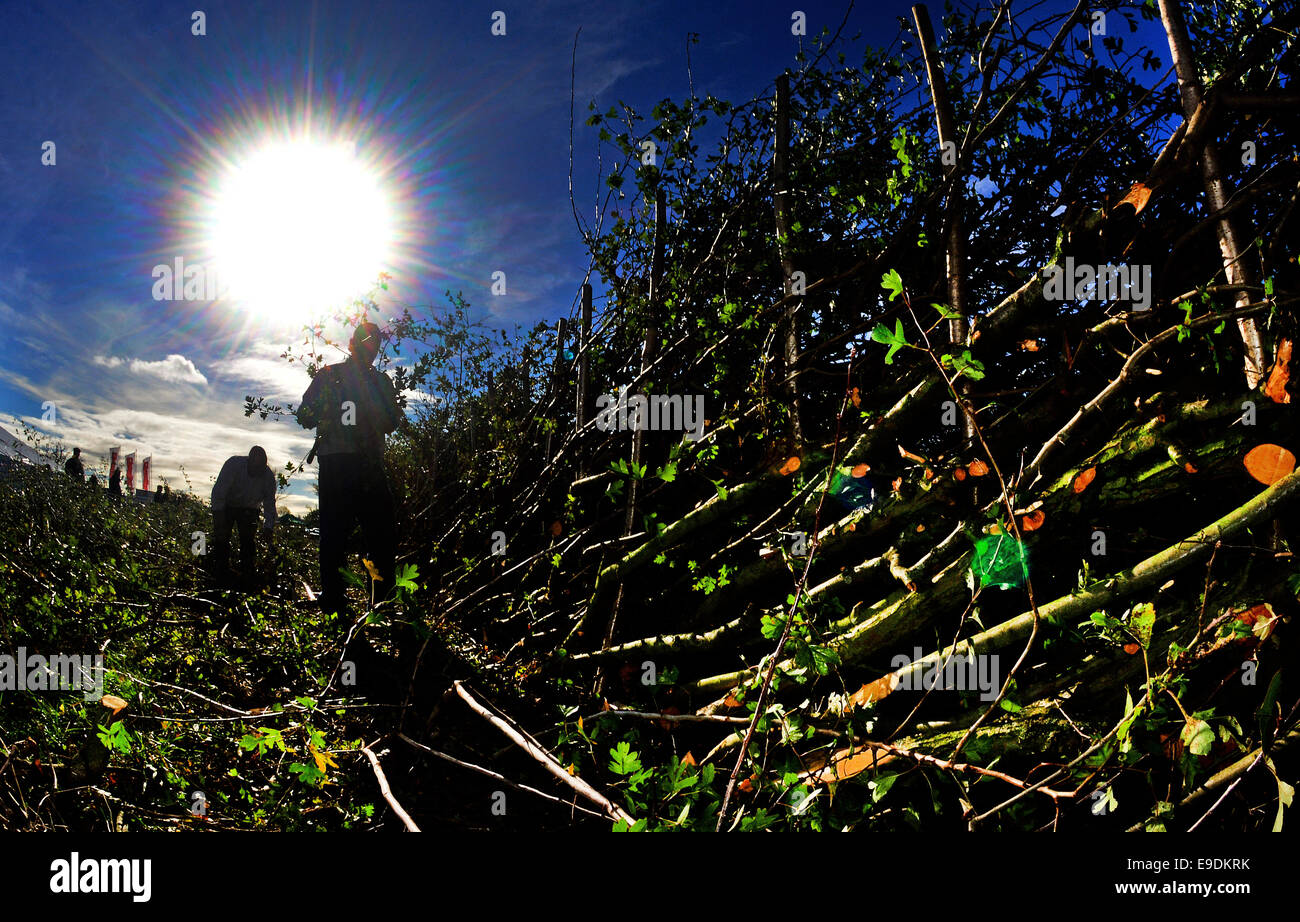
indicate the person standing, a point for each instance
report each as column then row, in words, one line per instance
column 73, row 466
column 352, row 405
column 115, row 482
column 244, row 484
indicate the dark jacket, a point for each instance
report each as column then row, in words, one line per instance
column 352, row 407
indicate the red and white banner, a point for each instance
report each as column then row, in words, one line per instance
column 112, row 458
column 144, row 473
column 130, row 474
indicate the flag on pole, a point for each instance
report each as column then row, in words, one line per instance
column 144, row 473
column 112, row 457
column 130, row 474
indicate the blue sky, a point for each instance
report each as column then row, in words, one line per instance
column 467, row 131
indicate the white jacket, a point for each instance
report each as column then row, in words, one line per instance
column 235, row 489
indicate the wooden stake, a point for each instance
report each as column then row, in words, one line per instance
column 560, row 333
column 955, row 236
column 584, row 365
column 1235, row 267
column 789, row 333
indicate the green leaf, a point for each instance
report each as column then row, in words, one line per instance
column 623, row 761
column 1197, row 736
column 1140, row 622
column 892, row 282
column 880, row 787
column 1001, row 561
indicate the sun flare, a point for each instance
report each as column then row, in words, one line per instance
column 298, row 228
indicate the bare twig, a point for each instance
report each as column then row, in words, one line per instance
column 613, row 810
column 385, row 790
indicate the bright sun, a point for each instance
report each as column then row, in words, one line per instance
column 298, row 228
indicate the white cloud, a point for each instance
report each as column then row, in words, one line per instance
column 265, row 374
column 176, row 368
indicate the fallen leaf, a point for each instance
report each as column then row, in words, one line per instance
column 1189, row 467
column 1033, row 521
column 856, row 397
column 1028, row 345
column 688, row 759
column 114, row 702
column 1131, row 648
column 1254, row 613
column 1269, row 463
column 860, row 470
column 730, row 701
column 959, row 474
column 791, row 465
column 1275, row 389
column 1085, row 477
column 1137, row 197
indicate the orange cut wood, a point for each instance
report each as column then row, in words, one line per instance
column 1269, row 463
column 1275, row 389
column 874, row 691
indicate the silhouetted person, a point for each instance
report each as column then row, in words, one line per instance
column 244, row 484
column 158, row 496
column 93, row 481
column 115, row 482
column 73, row 466
column 353, row 405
